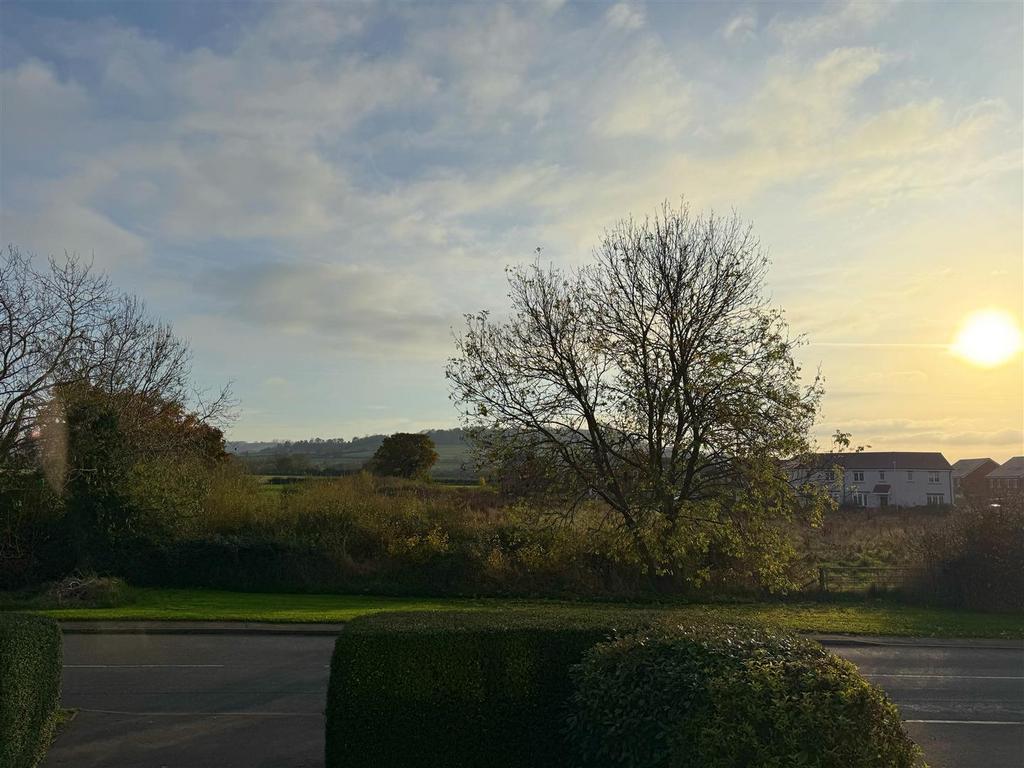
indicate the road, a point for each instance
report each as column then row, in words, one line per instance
column 153, row 700
column 964, row 706
column 195, row 701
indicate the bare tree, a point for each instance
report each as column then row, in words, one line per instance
column 658, row 378
column 64, row 327
column 47, row 318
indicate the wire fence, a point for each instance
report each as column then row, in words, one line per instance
column 857, row 579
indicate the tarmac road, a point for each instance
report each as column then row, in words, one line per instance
column 251, row 700
column 963, row 705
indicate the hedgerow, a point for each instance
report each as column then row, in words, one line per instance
column 458, row 689
column 30, row 674
column 729, row 697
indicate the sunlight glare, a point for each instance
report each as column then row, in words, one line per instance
column 988, row 338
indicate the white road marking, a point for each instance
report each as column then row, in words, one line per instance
column 967, row 722
column 143, row 666
column 200, row 714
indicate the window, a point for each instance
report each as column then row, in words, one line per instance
column 910, row 476
column 858, row 477
column 860, row 499
column 936, row 499
column 933, row 477
column 881, row 475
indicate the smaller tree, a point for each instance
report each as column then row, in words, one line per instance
column 404, row 455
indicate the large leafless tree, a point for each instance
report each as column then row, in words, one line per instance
column 62, row 326
column 658, row 378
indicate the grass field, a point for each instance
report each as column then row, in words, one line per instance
column 853, row 618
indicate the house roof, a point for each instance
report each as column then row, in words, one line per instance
column 1012, row 468
column 965, row 467
column 887, row 460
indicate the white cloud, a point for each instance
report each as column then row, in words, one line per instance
column 741, row 27
column 628, row 16
column 838, row 18
column 647, row 97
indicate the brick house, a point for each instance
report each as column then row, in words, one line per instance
column 1007, row 480
column 970, row 479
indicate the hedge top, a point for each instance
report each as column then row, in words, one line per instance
column 614, row 619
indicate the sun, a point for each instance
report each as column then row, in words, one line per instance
column 988, row 338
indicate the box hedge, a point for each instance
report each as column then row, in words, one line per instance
column 459, row 689
column 729, row 697
column 30, row 674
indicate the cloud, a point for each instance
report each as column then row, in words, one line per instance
column 366, row 311
column 627, row 16
column 646, row 98
column 835, row 20
column 741, row 27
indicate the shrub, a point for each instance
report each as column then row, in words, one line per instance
column 976, row 560
column 30, row 670
column 458, row 689
column 729, row 697
column 88, row 591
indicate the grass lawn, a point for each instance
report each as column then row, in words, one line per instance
column 854, row 618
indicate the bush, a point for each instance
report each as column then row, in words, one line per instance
column 729, row 697
column 976, row 560
column 88, row 591
column 30, row 670
column 451, row 689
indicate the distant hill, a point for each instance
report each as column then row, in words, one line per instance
column 339, row 455
column 241, row 446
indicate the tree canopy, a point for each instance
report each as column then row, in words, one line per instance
column 657, row 378
column 404, row 454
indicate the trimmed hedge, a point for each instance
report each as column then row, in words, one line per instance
column 30, row 674
column 459, row 689
column 729, row 697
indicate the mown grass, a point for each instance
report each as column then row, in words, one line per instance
column 852, row 618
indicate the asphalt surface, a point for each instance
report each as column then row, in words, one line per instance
column 251, row 700
column 964, row 706
column 195, row 701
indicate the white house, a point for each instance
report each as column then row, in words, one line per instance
column 882, row 479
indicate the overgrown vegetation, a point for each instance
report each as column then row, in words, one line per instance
column 224, row 529
column 976, row 559
column 30, row 677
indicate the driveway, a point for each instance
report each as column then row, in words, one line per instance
column 250, row 700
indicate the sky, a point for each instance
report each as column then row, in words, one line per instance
column 314, row 195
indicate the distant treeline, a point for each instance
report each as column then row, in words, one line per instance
column 338, row 456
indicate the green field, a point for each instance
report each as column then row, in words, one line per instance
column 853, row 618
